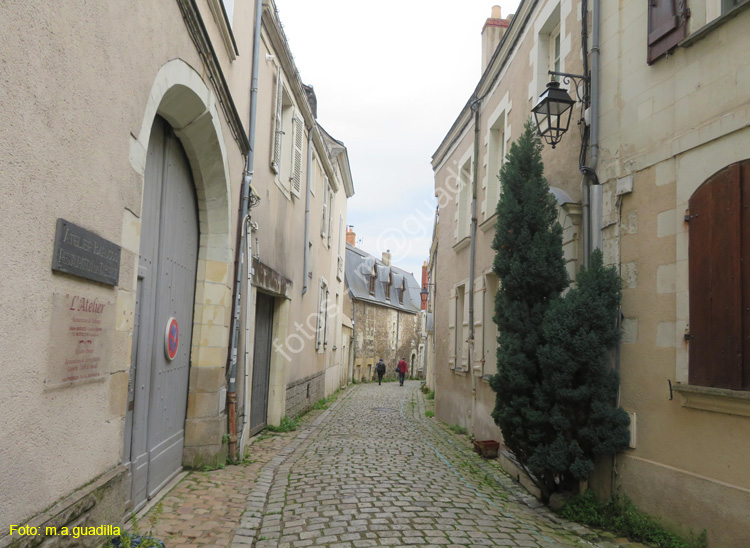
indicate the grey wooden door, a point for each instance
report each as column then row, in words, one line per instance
column 166, row 288
column 261, row 363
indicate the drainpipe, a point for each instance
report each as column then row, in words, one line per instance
column 591, row 190
column 596, row 196
column 307, row 208
column 244, row 218
column 597, row 190
column 248, row 288
column 473, row 253
column 593, row 201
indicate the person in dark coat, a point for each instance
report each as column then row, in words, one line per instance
column 402, row 368
column 380, row 370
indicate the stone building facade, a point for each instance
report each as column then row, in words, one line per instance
column 125, row 152
column 666, row 205
column 385, row 301
column 674, row 164
column 547, row 33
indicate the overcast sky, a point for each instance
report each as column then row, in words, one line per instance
column 391, row 78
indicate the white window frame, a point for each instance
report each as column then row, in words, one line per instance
column 330, row 215
column 460, row 344
column 326, row 209
column 321, row 334
column 548, row 24
column 340, row 261
column 553, row 55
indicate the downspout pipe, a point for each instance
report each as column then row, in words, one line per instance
column 472, row 256
column 242, row 228
column 593, row 239
column 307, row 208
column 591, row 190
column 596, row 202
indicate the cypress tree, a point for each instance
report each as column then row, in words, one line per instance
column 578, row 385
column 530, row 266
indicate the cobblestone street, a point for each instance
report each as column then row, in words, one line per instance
column 373, row 471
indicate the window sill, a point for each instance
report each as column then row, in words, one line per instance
column 706, row 29
column 489, row 223
column 463, row 243
column 718, row 400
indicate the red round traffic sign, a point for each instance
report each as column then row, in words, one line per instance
column 171, row 339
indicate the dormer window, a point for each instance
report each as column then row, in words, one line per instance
column 401, row 291
column 388, row 285
column 373, row 279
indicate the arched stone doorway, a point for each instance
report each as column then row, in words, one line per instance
column 188, row 107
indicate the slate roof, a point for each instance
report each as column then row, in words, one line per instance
column 359, row 265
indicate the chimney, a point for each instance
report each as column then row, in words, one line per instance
column 350, row 236
column 387, row 258
column 425, row 287
column 311, row 99
column 492, row 32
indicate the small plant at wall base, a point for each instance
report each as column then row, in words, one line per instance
column 136, row 538
column 554, row 386
column 287, row 424
column 622, row 517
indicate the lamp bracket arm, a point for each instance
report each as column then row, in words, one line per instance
column 579, row 80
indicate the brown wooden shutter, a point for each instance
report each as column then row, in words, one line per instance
column 716, row 282
column 745, row 273
column 667, row 26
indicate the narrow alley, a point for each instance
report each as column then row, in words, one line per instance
column 373, row 471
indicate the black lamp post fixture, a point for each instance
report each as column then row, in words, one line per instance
column 424, row 294
column 552, row 112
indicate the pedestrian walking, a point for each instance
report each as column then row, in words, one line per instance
column 402, row 369
column 380, row 370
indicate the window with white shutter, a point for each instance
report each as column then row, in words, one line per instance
column 330, row 215
column 452, row 331
column 296, row 176
column 324, row 221
column 477, row 358
column 340, row 261
column 278, row 129
column 321, row 332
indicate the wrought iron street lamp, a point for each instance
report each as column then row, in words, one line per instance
column 553, row 111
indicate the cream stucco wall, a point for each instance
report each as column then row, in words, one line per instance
column 667, row 128
column 82, row 84
column 278, row 241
